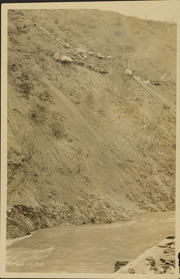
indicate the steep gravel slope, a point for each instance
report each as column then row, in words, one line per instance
column 85, row 146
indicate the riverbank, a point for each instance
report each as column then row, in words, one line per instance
column 10, row 241
column 159, row 259
column 82, row 249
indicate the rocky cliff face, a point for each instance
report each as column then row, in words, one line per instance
column 86, row 143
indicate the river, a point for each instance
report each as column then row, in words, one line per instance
column 88, row 248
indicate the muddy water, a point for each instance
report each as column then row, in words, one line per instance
column 88, row 248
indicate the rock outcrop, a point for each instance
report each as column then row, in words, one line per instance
column 159, row 259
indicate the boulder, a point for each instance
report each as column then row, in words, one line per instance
column 57, row 56
column 170, row 270
column 170, row 243
column 170, row 257
column 90, row 67
column 84, row 56
column 159, row 270
column 80, row 63
column 168, row 263
column 119, row 264
column 109, row 57
column 170, row 237
column 100, row 56
column 131, row 270
column 95, row 68
column 146, row 81
column 66, row 59
column 80, row 51
column 66, row 45
column 162, row 246
column 168, row 250
column 128, row 72
column 156, row 82
column 166, row 107
column 103, row 71
column 151, row 261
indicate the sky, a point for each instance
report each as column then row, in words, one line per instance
column 164, row 10
column 167, row 10
column 155, row 10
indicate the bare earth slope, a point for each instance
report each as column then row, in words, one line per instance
column 83, row 146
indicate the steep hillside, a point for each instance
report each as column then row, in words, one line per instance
column 85, row 146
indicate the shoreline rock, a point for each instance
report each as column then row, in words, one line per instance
column 120, row 264
column 159, row 259
column 10, row 241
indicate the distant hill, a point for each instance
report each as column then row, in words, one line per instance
column 85, row 146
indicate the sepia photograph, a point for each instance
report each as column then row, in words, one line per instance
column 89, row 179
